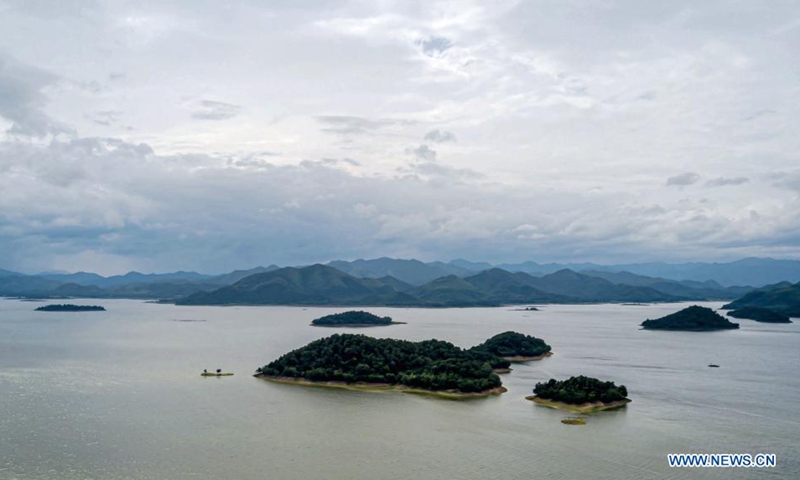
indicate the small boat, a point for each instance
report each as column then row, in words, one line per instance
column 711, row 365
column 214, row 374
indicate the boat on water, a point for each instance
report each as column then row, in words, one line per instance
column 212, row 374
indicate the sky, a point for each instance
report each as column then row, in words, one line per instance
column 209, row 136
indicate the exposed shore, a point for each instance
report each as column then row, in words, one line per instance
column 522, row 358
column 582, row 408
column 384, row 387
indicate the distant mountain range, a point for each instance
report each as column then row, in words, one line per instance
column 131, row 285
column 325, row 285
column 749, row 271
column 387, row 281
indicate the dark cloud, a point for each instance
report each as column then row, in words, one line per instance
column 439, row 136
column 423, row 153
column 22, row 101
column 212, row 110
column 724, row 181
column 435, row 46
column 684, row 179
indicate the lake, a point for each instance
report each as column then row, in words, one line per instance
column 118, row 395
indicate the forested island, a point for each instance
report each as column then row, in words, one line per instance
column 353, row 319
column 68, row 307
column 782, row 297
column 691, row 319
column 580, row 394
column 359, row 361
column 516, row 347
column 759, row 315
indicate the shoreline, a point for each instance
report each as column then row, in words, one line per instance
column 371, row 305
column 360, row 325
column 522, row 358
column 582, row 408
column 384, row 387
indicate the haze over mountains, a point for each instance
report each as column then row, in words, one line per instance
column 387, row 281
column 749, row 271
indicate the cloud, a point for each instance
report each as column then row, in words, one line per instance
column 724, row 181
column 348, row 125
column 212, row 110
column 205, row 212
column 435, row 46
column 684, row 179
column 423, row 153
column 568, row 136
column 439, row 136
column 105, row 117
column 22, row 101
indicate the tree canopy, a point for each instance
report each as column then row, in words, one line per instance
column 68, row 307
column 760, row 315
column 580, row 390
column 430, row 364
column 352, row 318
column 692, row 318
column 513, row 344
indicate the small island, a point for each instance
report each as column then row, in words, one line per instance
column 759, row 315
column 574, row 421
column 516, row 347
column 580, row 394
column 68, row 307
column 691, row 319
column 360, row 362
column 353, row 318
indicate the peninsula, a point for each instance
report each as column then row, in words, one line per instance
column 516, row 347
column 760, row 315
column 691, row 319
column 353, row 319
column 361, row 362
column 580, row 394
column 68, row 307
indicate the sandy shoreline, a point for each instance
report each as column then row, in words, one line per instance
column 582, row 408
column 384, row 387
column 522, row 358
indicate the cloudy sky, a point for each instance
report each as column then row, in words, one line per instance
column 209, row 135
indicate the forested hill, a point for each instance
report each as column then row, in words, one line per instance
column 429, row 365
column 323, row 285
column 782, row 298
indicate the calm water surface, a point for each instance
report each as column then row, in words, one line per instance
column 117, row 395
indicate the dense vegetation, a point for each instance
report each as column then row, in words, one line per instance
column 579, row 390
column 782, row 298
column 694, row 318
column 431, row 364
column 325, row 285
column 352, row 318
column 68, row 307
column 513, row 344
column 760, row 315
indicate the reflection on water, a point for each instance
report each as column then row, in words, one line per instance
column 118, row 395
